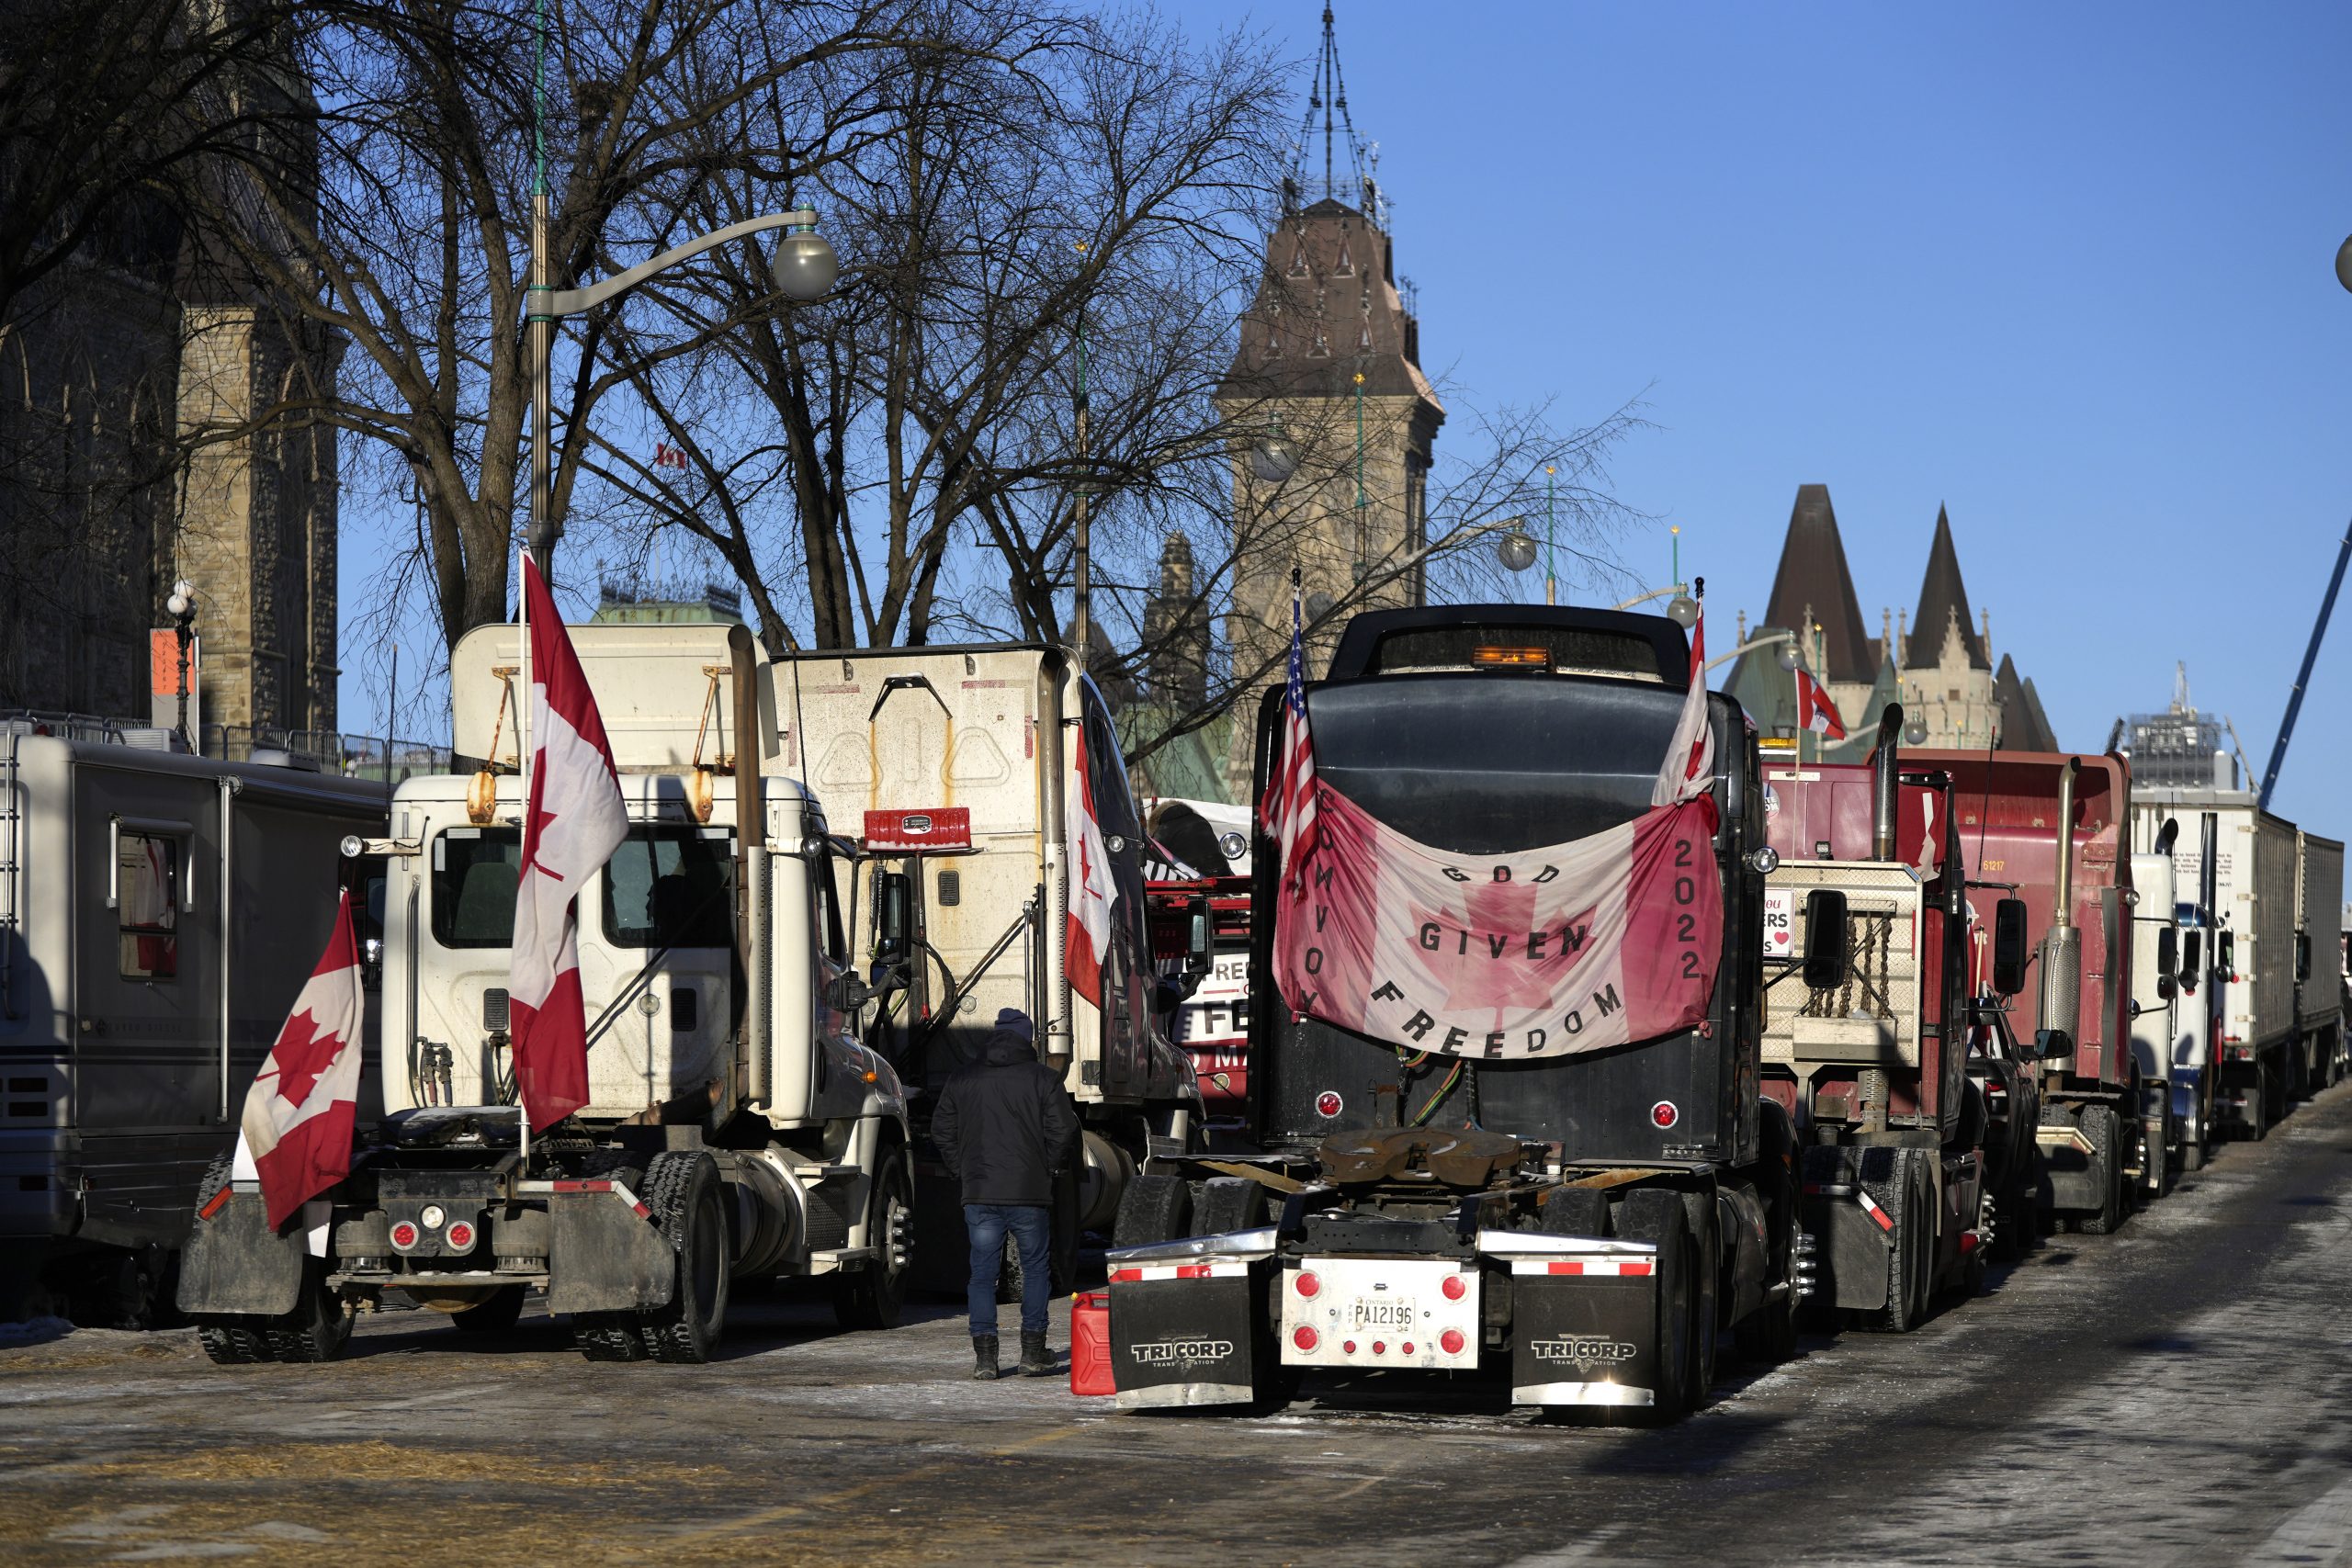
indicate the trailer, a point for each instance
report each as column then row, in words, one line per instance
column 2166, row 1017
column 735, row 1129
column 966, row 764
column 1591, row 1219
column 158, row 913
column 2319, row 1006
column 2050, row 830
column 2249, row 896
column 1906, row 1182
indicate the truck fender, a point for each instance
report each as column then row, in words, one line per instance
column 235, row 1264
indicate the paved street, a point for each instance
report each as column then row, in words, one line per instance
column 2177, row 1393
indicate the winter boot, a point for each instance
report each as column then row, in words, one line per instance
column 1036, row 1362
column 984, row 1367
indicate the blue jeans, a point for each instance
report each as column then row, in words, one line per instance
column 1033, row 1232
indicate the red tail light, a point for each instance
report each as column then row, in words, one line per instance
column 405, row 1237
column 460, row 1236
column 1451, row 1342
column 1305, row 1336
column 1454, row 1287
column 1306, row 1284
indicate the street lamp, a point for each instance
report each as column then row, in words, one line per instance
column 802, row 268
column 182, row 606
column 1683, row 610
column 1273, row 457
column 2343, row 263
column 1789, row 658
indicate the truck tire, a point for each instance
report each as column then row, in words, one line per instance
column 1574, row 1211
column 608, row 1336
column 1656, row 1214
column 2192, row 1156
column 1155, row 1208
column 1911, row 1262
column 1699, row 1212
column 494, row 1313
column 318, row 1328
column 1230, row 1204
column 2257, row 1105
column 2101, row 1127
column 1768, row 1336
column 874, row 1296
column 683, row 1190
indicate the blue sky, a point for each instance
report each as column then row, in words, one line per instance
column 2068, row 270
column 2064, row 269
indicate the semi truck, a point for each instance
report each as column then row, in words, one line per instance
column 2255, row 1049
column 971, row 768
column 2319, row 996
column 2048, row 829
column 158, row 913
column 1876, row 1054
column 1591, row 1220
column 2166, row 1014
column 735, row 1129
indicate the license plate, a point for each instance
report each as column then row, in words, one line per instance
column 1383, row 1313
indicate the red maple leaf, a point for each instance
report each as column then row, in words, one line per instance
column 534, row 837
column 302, row 1053
column 1477, row 978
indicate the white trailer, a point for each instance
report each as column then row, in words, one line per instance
column 735, row 1126
column 963, row 761
column 158, row 913
column 2253, row 942
column 2319, row 995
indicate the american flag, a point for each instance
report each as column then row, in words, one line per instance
column 1289, row 807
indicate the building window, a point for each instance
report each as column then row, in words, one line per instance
column 147, row 906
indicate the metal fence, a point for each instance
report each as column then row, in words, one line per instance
column 328, row 751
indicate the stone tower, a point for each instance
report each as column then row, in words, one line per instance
column 1176, row 632
column 1328, row 362
column 1947, row 672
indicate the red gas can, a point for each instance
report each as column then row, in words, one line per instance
column 1089, row 1344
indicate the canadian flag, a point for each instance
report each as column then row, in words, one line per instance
column 1087, row 934
column 574, row 820
column 296, row 1131
column 1815, row 711
column 1690, row 765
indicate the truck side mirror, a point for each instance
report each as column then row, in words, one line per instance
column 2225, row 956
column 2009, row 946
column 846, row 993
column 2192, row 961
column 1200, row 935
column 2167, row 961
column 893, row 912
column 1828, row 938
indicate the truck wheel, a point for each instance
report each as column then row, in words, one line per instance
column 1156, row 1208
column 1768, row 1336
column 1230, row 1204
column 2100, row 1125
column 2274, row 1093
column 1911, row 1262
column 494, row 1313
column 1574, row 1211
column 318, row 1328
column 1706, row 1312
column 2192, row 1156
column 1656, row 1214
column 608, row 1336
column 874, row 1296
column 682, row 1189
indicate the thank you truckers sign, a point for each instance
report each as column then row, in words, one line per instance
column 1540, row 953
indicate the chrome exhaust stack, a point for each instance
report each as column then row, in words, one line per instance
column 1885, row 771
column 2061, row 942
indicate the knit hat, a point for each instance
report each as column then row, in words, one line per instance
column 1013, row 1021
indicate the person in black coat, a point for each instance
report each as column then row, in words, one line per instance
column 1005, row 1125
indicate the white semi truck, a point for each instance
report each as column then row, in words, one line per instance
column 2165, row 1020
column 158, row 913
column 2252, row 1055
column 736, row 1127
column 964, row 762
column 2318, row 995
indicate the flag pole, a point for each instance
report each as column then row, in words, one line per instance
column 522, row 711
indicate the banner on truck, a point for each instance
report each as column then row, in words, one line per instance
column 1544, row 952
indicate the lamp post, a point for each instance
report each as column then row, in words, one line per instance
column 1789, row 657
column 182, row 605
column 803, row 269
column 1550, row 578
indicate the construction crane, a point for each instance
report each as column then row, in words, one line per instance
column 2311, row 655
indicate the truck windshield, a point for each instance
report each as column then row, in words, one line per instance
column 473, row 885
column 672, row 888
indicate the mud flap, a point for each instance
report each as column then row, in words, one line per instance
column 1584, row 1337
column 235, row 1264
column 1185, row 1338
column 603, row 1256
column 2071, row 1179
column 1851, row 1198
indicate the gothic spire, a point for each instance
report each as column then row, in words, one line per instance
column 1943, row 607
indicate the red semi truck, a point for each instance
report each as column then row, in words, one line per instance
column 2075, row 884
column 1903, row 1082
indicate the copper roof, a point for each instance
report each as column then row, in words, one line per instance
column 1327, row 307
column 1941, row 594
